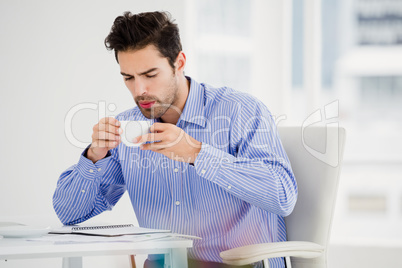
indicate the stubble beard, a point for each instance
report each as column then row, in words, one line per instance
column 160, row 107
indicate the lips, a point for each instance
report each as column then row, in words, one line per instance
column 146, row 104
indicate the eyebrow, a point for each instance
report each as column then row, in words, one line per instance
column 143, row 73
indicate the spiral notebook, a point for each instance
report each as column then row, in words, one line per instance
column 106, row 230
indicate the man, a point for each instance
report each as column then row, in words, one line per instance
column 213, row 165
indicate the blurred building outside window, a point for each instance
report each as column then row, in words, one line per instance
column 368, row 78
column 361, row 68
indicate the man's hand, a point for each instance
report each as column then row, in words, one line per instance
column 106, row 136
column 171, row 141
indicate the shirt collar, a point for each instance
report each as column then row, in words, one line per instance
column 193, row 111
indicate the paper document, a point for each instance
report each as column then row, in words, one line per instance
column 106, row 230
column 72, row 239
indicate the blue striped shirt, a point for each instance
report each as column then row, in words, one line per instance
column 236, row 193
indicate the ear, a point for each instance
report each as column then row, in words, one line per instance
column 180, row 62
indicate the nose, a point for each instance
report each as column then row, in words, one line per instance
column 139, row 87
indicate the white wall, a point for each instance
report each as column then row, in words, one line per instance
column 52, row 57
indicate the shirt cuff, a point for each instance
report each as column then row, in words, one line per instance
column 210, row 161
column 88, row 169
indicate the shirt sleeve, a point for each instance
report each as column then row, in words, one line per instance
column 87, row 189
column 258, row 171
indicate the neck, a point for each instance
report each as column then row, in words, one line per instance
column 172, row 115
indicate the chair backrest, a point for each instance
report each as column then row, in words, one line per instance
column 315, row 154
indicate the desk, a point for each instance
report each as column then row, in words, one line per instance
column 175, row 250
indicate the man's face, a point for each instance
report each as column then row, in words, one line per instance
column 150, row 79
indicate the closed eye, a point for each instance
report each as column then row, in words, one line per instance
column 150, row 76
column 128, row 78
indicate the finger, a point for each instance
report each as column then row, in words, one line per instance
column 159, row 127
column 163, row 140
column 105, row 144
column 151, row 137
column 110, row 128
column 106, row 136
column 156, row 147
column 110, row 120
column 159, row 145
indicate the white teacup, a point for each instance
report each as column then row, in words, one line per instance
column 133, row 129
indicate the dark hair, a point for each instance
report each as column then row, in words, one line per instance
column 140, row 30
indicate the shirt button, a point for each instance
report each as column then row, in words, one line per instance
column 203, row 171
column 82, row 191
column 176, row 170
column 99, row 169
column 229, row 187
column 91, row 170
column 177, row 203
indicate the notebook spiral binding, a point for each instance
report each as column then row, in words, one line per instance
column 83, row 228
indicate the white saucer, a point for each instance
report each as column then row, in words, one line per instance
column 20, row 231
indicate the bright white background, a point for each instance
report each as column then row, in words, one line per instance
column 52, row 58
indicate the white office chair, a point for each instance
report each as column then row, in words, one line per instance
column 315, row 154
